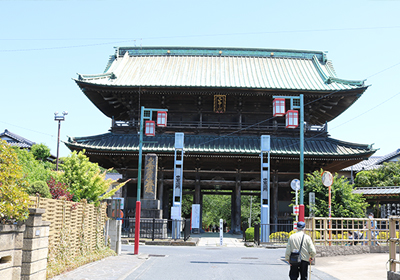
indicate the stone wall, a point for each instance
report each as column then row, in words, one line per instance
column 329, row 251
column 393, row 275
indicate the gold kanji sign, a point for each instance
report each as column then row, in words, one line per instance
column 219, row 103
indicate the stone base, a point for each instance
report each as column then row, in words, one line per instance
column 150, row 204
column 150, row 213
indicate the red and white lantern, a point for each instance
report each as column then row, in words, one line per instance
column 279, row 107
column 292, row 119
column 162, row 118
column 150, row 128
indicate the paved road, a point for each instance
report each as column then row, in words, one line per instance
column 230, row 261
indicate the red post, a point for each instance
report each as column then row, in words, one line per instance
column 301, row 213
column 137, row 228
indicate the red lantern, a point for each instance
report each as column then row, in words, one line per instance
column 292, row 119
column 279, row 107
column 161, row 118
column 150, row 128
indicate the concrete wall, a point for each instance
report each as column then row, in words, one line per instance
column 114, row 232
column 11, row 242
column 35, row 249
column 23, row 248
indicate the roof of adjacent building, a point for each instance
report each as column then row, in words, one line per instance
column 234, row 68
column 16, row 140
column 374, row 162
column 228, row 145
column 375, row 191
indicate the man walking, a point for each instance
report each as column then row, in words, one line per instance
column 307, row 252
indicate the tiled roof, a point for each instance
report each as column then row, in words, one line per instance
column 16, row 140
column 220, row 68
column 373, row 162
column 231, row 145
column 371, row 191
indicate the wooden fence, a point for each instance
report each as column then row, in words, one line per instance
column 348, row 231
column 394, row 240
column 75, row 227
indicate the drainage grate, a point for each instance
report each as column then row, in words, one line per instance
column 156, row 256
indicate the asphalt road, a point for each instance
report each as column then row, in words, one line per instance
column 174, row 263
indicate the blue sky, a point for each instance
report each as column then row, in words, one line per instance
column 43, row 44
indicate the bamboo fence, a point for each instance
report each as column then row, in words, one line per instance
column 78, row 227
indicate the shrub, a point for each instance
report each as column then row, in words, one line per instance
column 249, row 234
column 13, row 198
column 41, row 188
column 58, row 189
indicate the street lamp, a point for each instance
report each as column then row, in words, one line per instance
column 59, row 119
column 145, row 114
column 296, row 102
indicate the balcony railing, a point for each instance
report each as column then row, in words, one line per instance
column 231, row 126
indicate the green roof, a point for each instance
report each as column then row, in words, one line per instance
column 221, row 145
column 233, row 68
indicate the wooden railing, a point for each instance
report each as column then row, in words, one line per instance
column 393, row 242
column 348, row 231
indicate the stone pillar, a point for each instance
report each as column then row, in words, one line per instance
column 36, row 246
column 114, row 232
column 11, row 242
column 150, row 207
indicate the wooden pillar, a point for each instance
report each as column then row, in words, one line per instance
column 233, row 210
column 197, row 189
column 166, row 203
column 238, row 202
column 274, row 200
column 160, row 194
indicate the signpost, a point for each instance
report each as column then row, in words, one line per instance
column 221, row 231
column 295, row 185
column 327, row 181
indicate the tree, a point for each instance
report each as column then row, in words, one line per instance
column 13, row 198
column 386, row 175
column 40, row 151
column 344, row 202
column 85, row 179
column 33, row 170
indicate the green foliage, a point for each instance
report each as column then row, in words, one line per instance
column 40, row 152
column 13, row 198
column 39, row 187
column 216, row 207
column 85, row 179
column 344, row 202
column 187, row 201
column 249, row 234
column 33, row 170
column 255, row 202
column 387, row 175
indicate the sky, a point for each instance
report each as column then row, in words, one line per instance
column 44, row 44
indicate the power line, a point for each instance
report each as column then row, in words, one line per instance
column 125, row 40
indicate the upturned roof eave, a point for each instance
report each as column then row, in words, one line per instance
column 111, row 86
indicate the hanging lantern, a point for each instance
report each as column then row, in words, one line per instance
column 150, row 128
column 279, row 107
column 292, row 119
column 161, row 118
